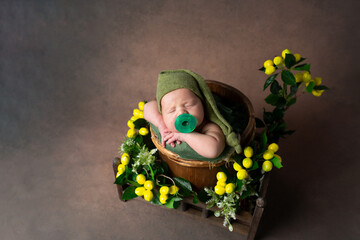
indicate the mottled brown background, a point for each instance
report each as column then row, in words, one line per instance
column 72, row 71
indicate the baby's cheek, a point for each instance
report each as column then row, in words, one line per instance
column 170, row 123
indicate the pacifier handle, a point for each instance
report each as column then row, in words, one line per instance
column 185, row 123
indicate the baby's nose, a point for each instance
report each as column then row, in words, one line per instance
column 182, row 111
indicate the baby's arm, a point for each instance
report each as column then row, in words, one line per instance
column 209, row 143
column 151, row 114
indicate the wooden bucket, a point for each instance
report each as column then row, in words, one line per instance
column 202, row 173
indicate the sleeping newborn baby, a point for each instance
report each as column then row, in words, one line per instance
column 182, row 91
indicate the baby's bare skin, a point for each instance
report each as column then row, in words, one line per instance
column 207, row 140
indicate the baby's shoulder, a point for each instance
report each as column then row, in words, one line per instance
column 211, row 127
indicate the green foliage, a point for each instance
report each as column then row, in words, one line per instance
column 129, row 193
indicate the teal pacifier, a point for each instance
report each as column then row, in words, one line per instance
column 185, row 123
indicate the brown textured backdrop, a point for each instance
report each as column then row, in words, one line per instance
column 72, row 71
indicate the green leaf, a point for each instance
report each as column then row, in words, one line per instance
column 184, row 185
column 270, row 80
column 288, row 78
column 275, row 87
column 259, row 123
column 310, row 87
column 321, row 87
column 262, row 69
column 268, row 117
column 291, row 102
column 254, row 166
column 281, row 103
column 195, row 199
column 129, row 193
column 121, row 179
column 293, row 89
column 289, row 60
column 140, row 122
column 276, row 162
column 303, row 67
column 173, row 202
column 156, row 200
column 263, row 141
column 239, row 184
column 203, row 196
column 278, row 114
column 272, row 99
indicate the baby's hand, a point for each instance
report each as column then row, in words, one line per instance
column 173, row 137
column 163, row 132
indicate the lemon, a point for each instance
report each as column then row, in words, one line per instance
column 298, row 77
column 133, row 118
column 270, row 70
column 221, row 176
column 136, row 112
column 141, row 114
column 318, row 81
column 125, row 159
column 164, row 190
column 284, row 52
column 141, row 106
column 267, row 166
column 163, row 198
column 306, row 76
column 248, row 152
column 220, row 183
column 297, row 57
column 277, row 60
column 273, row 147
column 131, row 133
column 268, row 154
column 139, row 191
column 219, row 190
column 149, row 185
column 148, row 195
column 247, row 162
column 268, row 63
column 173, row 189
column 143, row 131
column 237, row 166
column 317, row 93
column 121, row 168
column 278, row 157
column 130, row 124
column 229, row 188
column 118, row 174
column 242, row 174
column 140, row 179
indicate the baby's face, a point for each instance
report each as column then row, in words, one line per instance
column 178, row 102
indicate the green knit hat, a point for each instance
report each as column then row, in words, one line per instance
column 171, row 80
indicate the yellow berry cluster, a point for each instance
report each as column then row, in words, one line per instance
column 305, row 77
column 221, row 186
column 125, row 159
column 269, row 64
column 268, row 155
column 145, row 190
column 137, row 113
column 165, row 190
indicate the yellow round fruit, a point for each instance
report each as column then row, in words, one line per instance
column 221, row 176
column 141, row 114
column 298, row 77
column 164, row 190
column 237, row 166
column 284, row 52
column 219, row 190
column 139, row 191
column 297, row 57
column 143, row 131
column 140, row 179
column 148, row 195
column 121, row 168
column 248, row 152
column 149, row 185
column 229, row 188
column 136, row 112
column 125, row 159
column 277, row 60
column 130, row 124
column 131, row 133
column 307, row 84
column 133, row 118
column 267, row 166
column 118, row 174
column 141, row 106
column 173, row 189
column 278, row 157
column 247, row 162
column 163, row 198
column 318, row 81
column 268, row 63
column 242, row 174
column 317, row 93
column 220, row 183
column 273, row 147
column 270, row 70
column 306, row 76
column 268, row 154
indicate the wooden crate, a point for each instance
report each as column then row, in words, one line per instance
column 245, row 224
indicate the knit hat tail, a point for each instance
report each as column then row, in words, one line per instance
column 171, row 80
